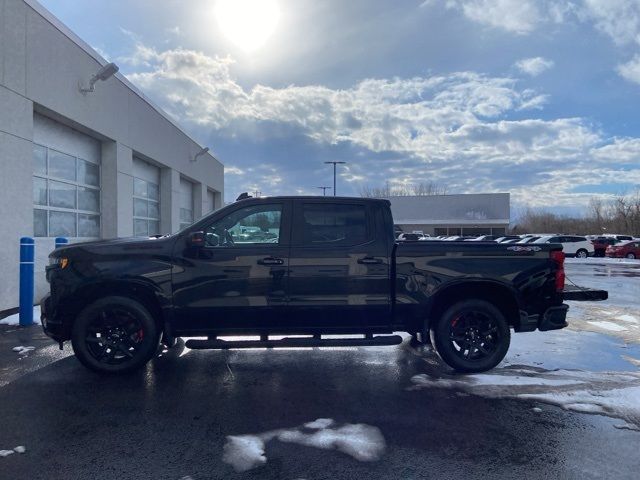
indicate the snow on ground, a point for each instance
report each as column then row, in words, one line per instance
column 362, row 442
column 15, row 318
column 18, row 449
column 614, row 327
column 614, row 394
column 603, row 261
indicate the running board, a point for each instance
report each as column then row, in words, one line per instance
column 289, row 342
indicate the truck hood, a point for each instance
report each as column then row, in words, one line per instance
column 124, row 244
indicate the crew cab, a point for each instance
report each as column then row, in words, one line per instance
column 303, row 266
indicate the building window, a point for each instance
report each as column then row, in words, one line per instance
column 146, row 208
column 66, row 195
column 186, row 203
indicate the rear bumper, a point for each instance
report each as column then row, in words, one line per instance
column 554, row 318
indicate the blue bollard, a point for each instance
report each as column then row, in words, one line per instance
column 27, row 251
column 61, row 241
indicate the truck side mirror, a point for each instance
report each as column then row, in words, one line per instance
column 196, row 239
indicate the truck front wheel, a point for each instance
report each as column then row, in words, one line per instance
column 471, row 336
column 114, row 335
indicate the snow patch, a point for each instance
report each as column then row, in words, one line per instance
column 613, row 394
column 613, row 327
column 628, row 318
column 20, row 350
column 20, row 449
column 6, row 453
column 360, row 441
column 244, row 452
column 15, row 318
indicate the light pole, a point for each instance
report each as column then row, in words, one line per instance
column 324, row 190
column 334, row 174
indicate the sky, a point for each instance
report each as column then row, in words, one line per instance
column 538, row 98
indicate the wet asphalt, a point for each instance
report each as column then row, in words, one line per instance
column 171, row 420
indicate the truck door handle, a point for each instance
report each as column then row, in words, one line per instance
column 270, row 261
column 369, row 260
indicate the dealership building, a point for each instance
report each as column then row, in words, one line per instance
column 100, row 163
column 464, row 214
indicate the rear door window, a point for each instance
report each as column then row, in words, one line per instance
column 333, row 224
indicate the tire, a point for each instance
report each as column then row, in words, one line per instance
column 480, row 329
column 630, row 255
column 114, row 335
column 582, row 253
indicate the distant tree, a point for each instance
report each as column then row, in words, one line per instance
column 420, row 189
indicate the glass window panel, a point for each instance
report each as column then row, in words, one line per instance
column 139, row 207
column 39, row 191
column 39, row 223
column 257, row 224
column 153, row 210
column 154, row 227
column 62, row 224
column 40, row 159
column 88, row 199
column 88, row 225
column 62, row 165
column 153, row 192
column 337, row 224
column 139, row 188
column 88, row 173
column 62, row 195
column 140, row 228
column 186, row 215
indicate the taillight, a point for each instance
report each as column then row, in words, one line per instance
column 558, row 257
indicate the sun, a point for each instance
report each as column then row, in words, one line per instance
column 247, row 23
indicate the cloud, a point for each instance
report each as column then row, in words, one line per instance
column 619, row 19
column 518, row 16
column 534, row 66
column 631, row 70
column 468, row 131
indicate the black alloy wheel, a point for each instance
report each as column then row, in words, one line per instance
column 471, row 336
column 115, row 335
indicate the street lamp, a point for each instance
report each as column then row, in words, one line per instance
column 324, row 190
column 105, row 72
column 334, row 174
column 204, row 151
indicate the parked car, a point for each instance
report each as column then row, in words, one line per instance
column 483, row 238
column 629, row 249
column 507, row 237
column 572, row 245
column 410, row 237
column 528, row 239
column 334, row 269
column 600, row 245
column 619, row 237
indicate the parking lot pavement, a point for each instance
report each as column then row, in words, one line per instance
column 563, row 404
column 373, row 412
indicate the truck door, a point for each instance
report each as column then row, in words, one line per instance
column 338, row 267
column 238, row 278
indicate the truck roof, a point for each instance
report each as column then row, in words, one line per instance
column 318, row 198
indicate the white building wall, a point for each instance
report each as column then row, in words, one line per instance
column 41, row 64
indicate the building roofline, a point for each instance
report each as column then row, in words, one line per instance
column 71, row 35
column 465, row 221
column 445, row 195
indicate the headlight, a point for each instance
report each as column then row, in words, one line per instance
column 62, row 262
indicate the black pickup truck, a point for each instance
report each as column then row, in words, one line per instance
column 303, row 267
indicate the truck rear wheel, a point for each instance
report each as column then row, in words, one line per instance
column 114, row 335
column 471, row 336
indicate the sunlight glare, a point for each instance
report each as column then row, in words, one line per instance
column 247, row 23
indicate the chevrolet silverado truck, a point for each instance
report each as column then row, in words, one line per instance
column 302, row 268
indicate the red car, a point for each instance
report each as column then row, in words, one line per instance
column 629, row 249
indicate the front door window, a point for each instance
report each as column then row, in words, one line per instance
column 254, row 225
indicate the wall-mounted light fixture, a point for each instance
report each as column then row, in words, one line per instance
column 200, row 153
column 106, row 72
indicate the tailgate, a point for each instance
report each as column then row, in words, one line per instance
column 581, row 294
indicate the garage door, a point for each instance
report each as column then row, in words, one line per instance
column 66, row 181
column 146, row 198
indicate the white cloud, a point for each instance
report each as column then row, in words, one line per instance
column 631, row 70
column 534, row 66
column 455, row 129
column 619, row 19
column 518, row 16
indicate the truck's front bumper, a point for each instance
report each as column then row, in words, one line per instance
column 52, row 325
